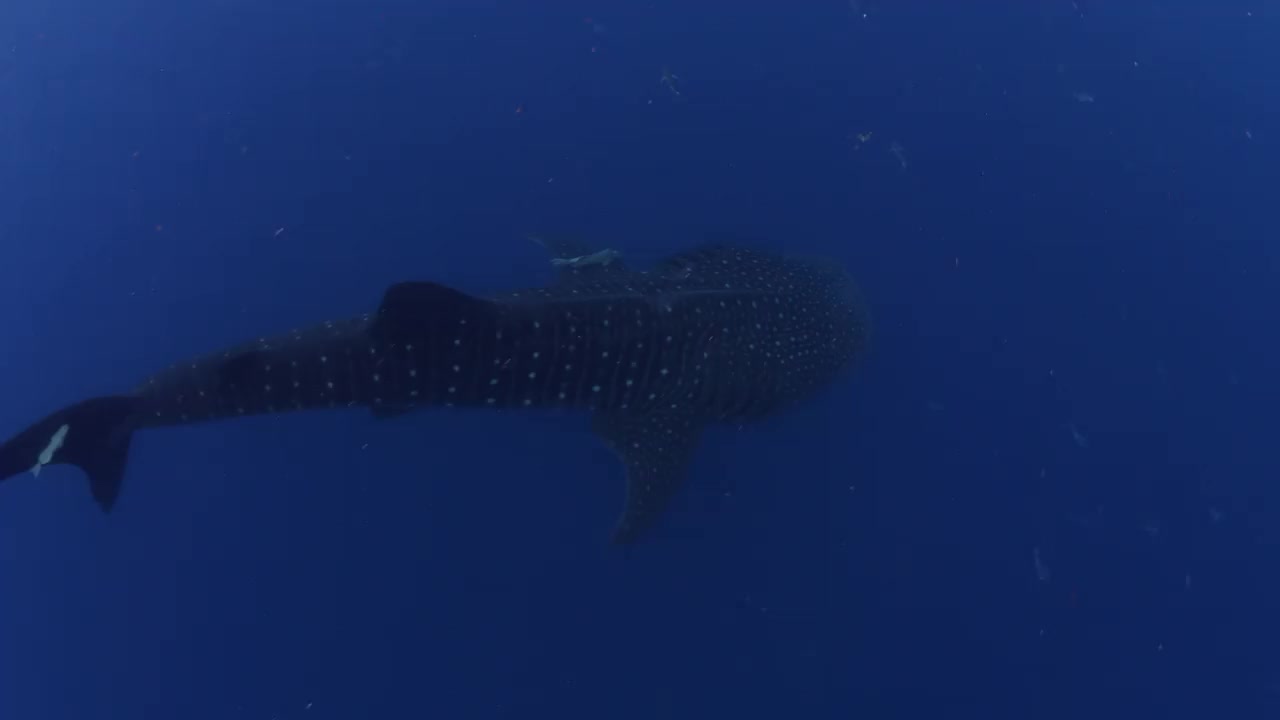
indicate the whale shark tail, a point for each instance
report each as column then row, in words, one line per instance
column 92, row 435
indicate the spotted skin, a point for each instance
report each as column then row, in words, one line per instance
column 725, row 334
column 719, row 334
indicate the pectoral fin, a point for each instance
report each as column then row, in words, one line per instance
column 656, row 449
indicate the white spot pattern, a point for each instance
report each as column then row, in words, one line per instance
column 728, row 333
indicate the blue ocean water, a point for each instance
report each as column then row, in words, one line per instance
column 1047, row 492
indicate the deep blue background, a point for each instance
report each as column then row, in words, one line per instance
column 1040, row 265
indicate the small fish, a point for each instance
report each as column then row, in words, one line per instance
column 1082, row 97
column 46, row 455
column 603, row 257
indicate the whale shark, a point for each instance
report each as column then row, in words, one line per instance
column 722, row 333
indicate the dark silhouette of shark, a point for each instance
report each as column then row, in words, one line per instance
column 722, row 333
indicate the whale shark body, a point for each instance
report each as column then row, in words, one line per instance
column 719, row 334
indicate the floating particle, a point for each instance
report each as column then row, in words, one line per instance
column 899, row 152
column 1078, row 437
column 1043, row 574
column 670, row 80
column 1152, row 529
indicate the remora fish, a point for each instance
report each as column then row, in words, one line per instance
column 722, row 333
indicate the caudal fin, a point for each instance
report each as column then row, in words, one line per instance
column 92, row 435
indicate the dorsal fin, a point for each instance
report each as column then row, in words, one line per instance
column 409, row 308
column 576, row 261
column 240, row 369
column 656, row 449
